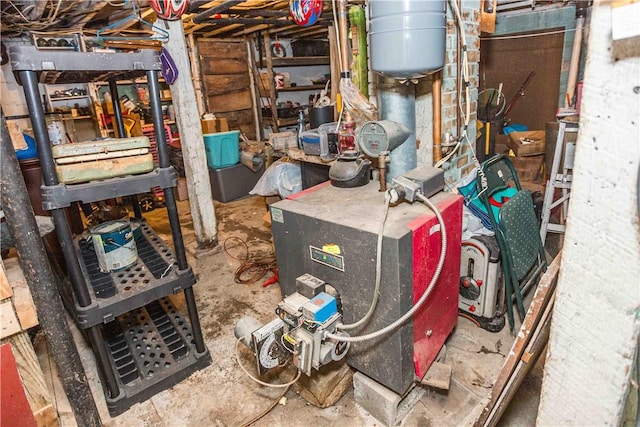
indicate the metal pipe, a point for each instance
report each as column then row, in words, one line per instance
column 575, row 62
column 39, row 276
column 397, row 102
column 342, row 27
column 383, row 158
column 436, row 93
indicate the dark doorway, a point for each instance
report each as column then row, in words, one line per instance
column 510, row 59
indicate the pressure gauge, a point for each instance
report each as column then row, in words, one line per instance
column 377, row 136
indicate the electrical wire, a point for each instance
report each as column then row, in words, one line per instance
column 423, row 298
column 376, row 290
column 290, row 383
column 466, row 114
column 253, row 267
column 266, row 410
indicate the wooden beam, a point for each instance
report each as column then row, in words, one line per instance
column 272, row 86
column 250, row 30
column 188, row 120
column 249, row 21
column 221, row 8
column 221, row 30
column 86, row 17
column 255, row 92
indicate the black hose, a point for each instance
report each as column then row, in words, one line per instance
column 37, row 271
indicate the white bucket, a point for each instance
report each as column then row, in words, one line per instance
column 114, row 245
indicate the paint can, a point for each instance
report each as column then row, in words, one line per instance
column 114, row 245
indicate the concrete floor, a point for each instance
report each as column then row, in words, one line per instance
column 222, row 395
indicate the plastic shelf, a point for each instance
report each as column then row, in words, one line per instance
column 153, row 276
column 150, row 349
column 61, row 195
column 57, row 67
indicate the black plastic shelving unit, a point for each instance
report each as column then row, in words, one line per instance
column 141, row 342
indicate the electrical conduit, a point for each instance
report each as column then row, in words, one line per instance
column 389, row 328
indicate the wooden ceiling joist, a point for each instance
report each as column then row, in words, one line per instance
column 221, row 8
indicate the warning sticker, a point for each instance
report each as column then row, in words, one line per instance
column 276, row 215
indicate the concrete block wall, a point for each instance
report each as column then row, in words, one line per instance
column 596, row 318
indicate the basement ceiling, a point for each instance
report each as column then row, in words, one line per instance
column 204, row 18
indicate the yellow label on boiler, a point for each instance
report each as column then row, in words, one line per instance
column 331, row 248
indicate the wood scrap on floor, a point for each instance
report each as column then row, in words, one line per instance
column 17, row 315
column 527, row 347
column 17, row 311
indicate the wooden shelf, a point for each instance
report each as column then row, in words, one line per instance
column 68, row 117
column 301, row 61
column 300, row 88
column 289, row 121
column 67, row 98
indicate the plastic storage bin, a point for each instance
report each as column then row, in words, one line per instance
column 233, row 182
column 223, row 149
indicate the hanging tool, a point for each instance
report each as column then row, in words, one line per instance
column 519, row 93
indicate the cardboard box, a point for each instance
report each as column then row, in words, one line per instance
column 214, row 125
column 181, row 189
column 529, row 143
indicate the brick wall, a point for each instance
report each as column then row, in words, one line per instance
column 461, row 163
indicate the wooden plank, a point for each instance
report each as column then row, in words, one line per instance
column 543, row 295
column 226, row 49
column 257, row 114
column 9, row 323
column 535, row 349
column 438, row 376
column 33, row 380
column 230, row 102
column 488, row 19
column 14, row 405
column 223, row 65
column 54, row 384
column 221, row 76
column 5, row 287
column 273, row 97
column 220, row 84
column 13, row 269
column 24, row 306
column 239, row 120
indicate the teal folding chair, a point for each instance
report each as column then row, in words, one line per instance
column 516, row 227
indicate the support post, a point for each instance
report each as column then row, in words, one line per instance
column 188, row 120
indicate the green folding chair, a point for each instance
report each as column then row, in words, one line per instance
column 516, row 228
